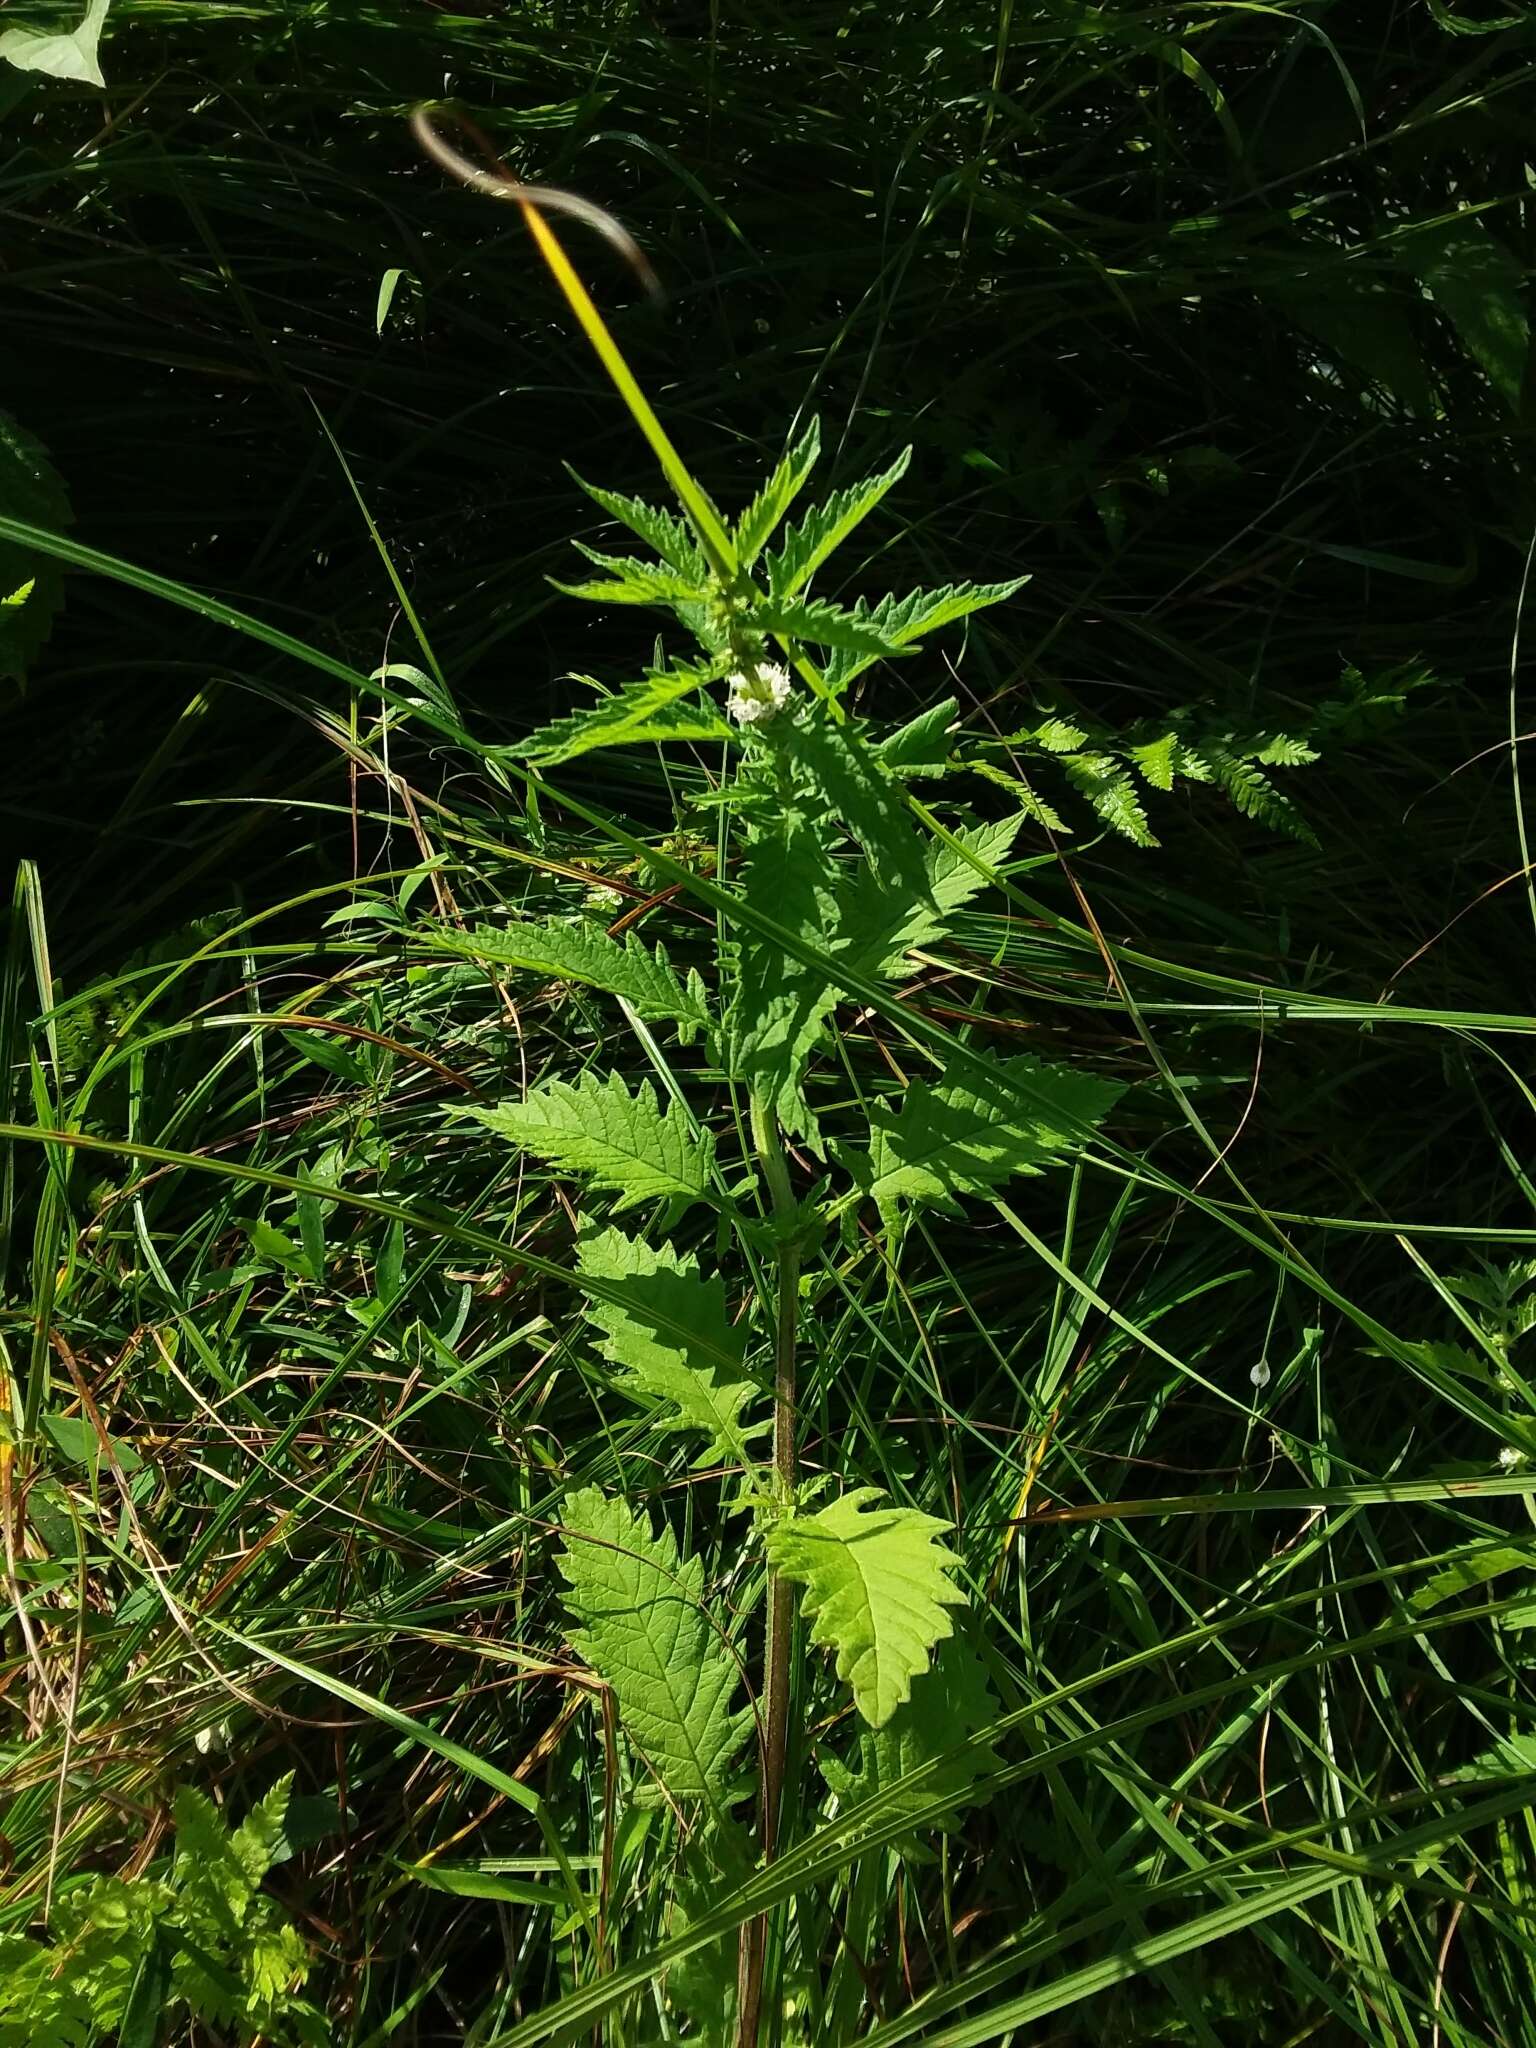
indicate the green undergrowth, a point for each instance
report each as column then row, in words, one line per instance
column 451, row 1034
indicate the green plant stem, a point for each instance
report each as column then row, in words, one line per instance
column 780, row 1636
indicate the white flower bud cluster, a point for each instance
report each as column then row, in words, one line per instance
column 759, row 693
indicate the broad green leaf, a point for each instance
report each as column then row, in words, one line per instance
column 74, row 1437
column 760, row 521
column 672, row 1339
column 922, row 746
column 631, row 581
column 585, row 953
column 670, row 536
column 826, row 527
column 780, row 1006
column 643, row 1627
column 876, row 1591
column 621, row 1142
column 30, row 489
column 950, row 1706
column 977, row 1128
column 860, row 789
column 1479, row 285
column 651, row 710
column 72, row 55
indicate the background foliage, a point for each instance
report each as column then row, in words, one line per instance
column 1215, row 321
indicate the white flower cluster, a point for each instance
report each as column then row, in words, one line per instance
column 759, row 693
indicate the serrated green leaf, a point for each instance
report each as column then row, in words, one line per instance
column 760, row 521
column 622, row 1143
column 878, row 927
column 906, row 619
column 1479, row 284
column 876, row 1592
column 901, row 622
column 1468, row 1572
column 859, row 789
column 825, row 624
column 780, row 1005
column 671, row 537
column 826, row 527
column 585, row 953
column 631, row 581
column 651, row 710
column 977, row 1128
column 946, row 1717
column 672, row 1338
column 642, row 1626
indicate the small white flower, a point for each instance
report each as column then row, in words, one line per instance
column 1510, row 1457
column 757, row 694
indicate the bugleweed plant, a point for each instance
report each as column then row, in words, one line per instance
column 844, row 874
